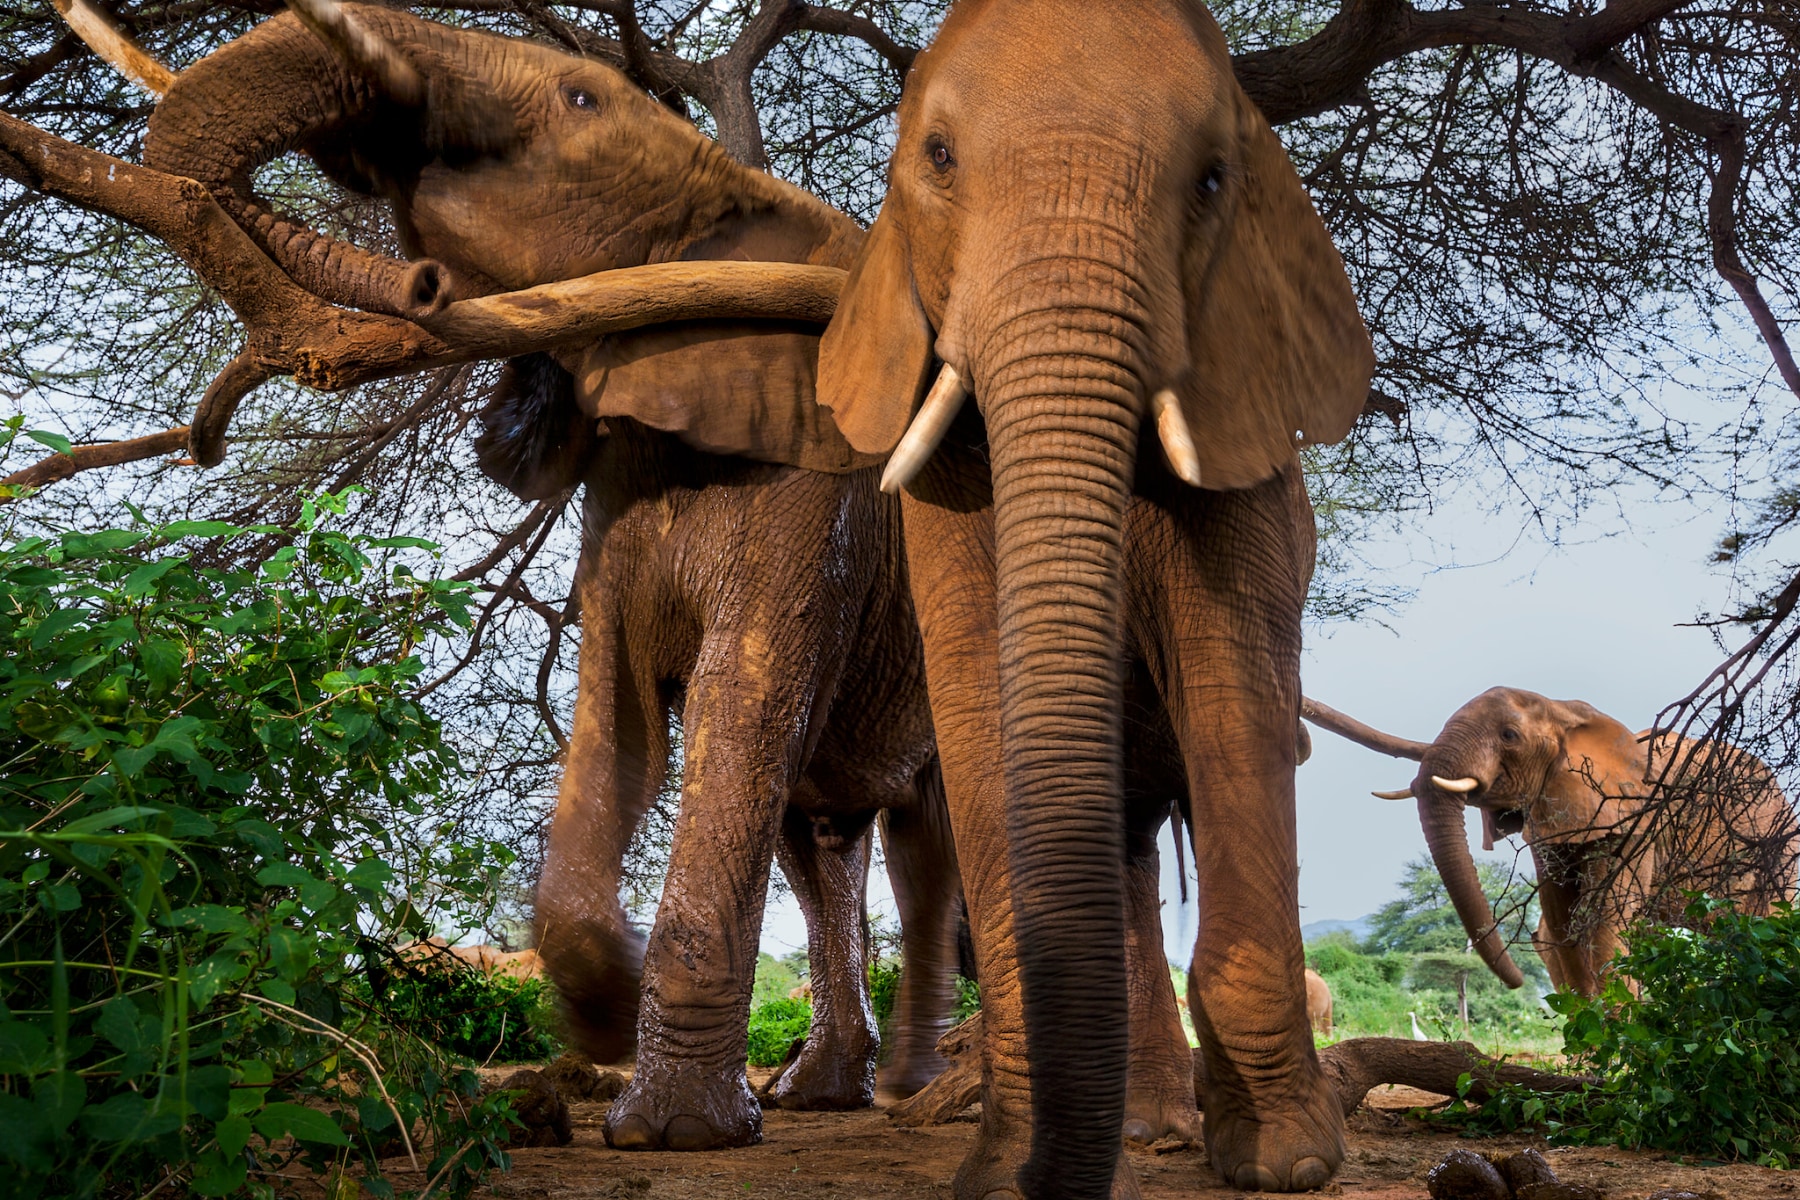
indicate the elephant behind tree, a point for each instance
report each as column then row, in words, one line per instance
column 764, row 604
column 1108, row 269
column 1612, row 839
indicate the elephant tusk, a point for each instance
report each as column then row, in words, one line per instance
column 361, row 49
column 927, row 429
column 1404, row 793
column 1177, row 438
column 1456, row 785
column 126, row 56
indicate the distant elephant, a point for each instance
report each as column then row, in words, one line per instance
column 765, row 604
column 1091, row 228
column 1574, row 782
column 1318, row 1002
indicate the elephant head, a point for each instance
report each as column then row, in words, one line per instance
column 509, row 164
column 1560, row 771
column 1091, row 229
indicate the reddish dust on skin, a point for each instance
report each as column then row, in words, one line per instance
column 858, row 1154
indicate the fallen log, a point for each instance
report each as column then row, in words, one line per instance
column 1354, row 1066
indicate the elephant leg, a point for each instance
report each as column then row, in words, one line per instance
column 921, row 862
column 1216, row 580
column 1159, row 1097
column 829, row 875
column 1615, row 883
column 618, row 757
column 745, row 725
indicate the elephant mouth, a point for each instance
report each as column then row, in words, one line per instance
column 1508, row 821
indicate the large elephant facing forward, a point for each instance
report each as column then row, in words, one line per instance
column 1091, row 228
column 1579, row 786
column 764, row 604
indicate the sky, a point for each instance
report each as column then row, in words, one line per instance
column 1598, row 621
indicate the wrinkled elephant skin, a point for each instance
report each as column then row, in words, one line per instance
column 1094, row 230
column 763, row 604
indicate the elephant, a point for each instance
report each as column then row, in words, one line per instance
column 1318, row 1002
column 1091, row 229
column 739, row 567
column 1579, row 786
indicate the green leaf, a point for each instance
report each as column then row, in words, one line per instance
column 223, row 1173
column 59, row 1098
column 55, row 441
column 162, row 661
column 143, row 580
column 126, row 1117
column 301, row 1123
column 199, row 529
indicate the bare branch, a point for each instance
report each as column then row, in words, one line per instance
column 127, row 57
column 101, row 454
column 1721, row 226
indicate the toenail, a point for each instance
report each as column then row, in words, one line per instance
column 1309, row 1173
column 1138, row 1130
column 631, row 1133
column 688, row 1133
column 1254, row 1177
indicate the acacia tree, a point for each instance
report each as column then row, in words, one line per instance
column 1549, row 211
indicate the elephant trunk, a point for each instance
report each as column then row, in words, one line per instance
column 1063, row 430
column 277, row 89
column 1441, row 816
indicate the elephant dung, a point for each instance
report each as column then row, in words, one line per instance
column 1523, row 1169
column 1465, row 1175
column 575, row 1078
column 540, row 1109
column 1560, row 1191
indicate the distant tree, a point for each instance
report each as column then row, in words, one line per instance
column 1421, row 919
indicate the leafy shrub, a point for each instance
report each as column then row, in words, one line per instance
column 486, row 1017
column 968, row 1000
column 774, row 1026
column 1705, row 1060
column 775, row 978
column 209, row 775
column 884, row 990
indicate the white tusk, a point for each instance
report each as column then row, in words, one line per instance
column 928, row 428
column 346, row 35
column 1404, row 793
column 1456, row 785
column 126, row 56
column 1177, row 439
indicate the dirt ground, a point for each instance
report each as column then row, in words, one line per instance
column 843, row 1155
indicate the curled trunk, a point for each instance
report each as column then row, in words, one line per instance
column 278, row 89
column 1442, row 819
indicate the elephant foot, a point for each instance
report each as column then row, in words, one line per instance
column 684, row 1108
column 599, row 976
column 991, row 1172
column 1294, row 1147
column 823, row 1079
column 1151, row 1116
column 907, row 1074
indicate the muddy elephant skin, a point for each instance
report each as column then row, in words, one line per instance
column 763, row 605
column 1108, row 269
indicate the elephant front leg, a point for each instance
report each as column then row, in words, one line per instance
column 826, row 860
column 1219, row 579
column 618, row 756
column 689, row 1090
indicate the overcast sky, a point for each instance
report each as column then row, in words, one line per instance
column 1597, row 621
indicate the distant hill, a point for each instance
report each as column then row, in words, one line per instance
column 1358, row 929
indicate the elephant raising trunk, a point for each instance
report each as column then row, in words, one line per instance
column 231, row 115
column 1441, row 817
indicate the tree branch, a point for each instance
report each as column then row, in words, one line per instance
column 101, row 454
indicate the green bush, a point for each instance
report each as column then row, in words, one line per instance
column 485, row 1017
column 209, row 772
column 773, row 1027
column 1705, row 1060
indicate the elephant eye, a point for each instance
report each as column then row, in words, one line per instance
column 1509, row 735
column 1212, row 180
column 941, row 158
column 581, row 98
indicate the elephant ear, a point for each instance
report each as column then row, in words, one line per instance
column 726, row 387
column 877, row 351
column 535, row 440
column 1280, row 357
column 1595, row 788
